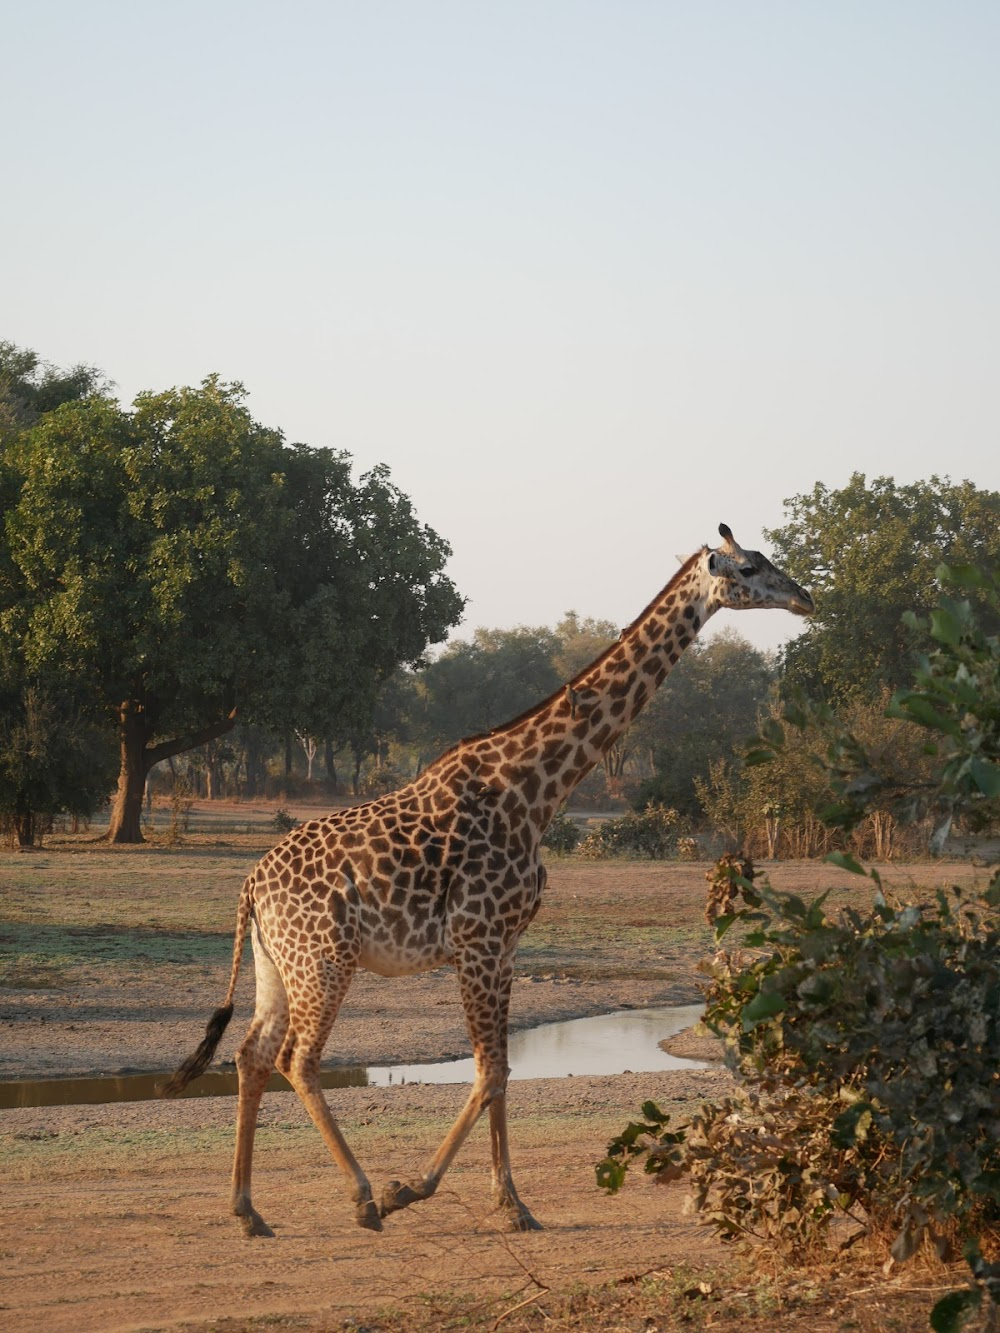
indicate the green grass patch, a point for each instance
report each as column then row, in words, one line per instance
column 171, row 889
column 38, row 956
column 633, row 952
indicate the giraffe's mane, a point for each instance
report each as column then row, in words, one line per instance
column 574, row 680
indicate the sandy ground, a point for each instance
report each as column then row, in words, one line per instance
column 116, row 1217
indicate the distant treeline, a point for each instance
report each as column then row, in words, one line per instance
column 187, row 598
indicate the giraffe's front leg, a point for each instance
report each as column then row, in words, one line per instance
column 505, row 1196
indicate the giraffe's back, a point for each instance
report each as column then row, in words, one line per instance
column 394, row 886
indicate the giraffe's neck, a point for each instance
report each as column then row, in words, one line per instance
column 542, row 755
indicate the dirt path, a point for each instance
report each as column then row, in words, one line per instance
column 116, row 1217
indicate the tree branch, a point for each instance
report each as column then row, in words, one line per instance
column 166, row 749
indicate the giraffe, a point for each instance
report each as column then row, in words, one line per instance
column 445, row 870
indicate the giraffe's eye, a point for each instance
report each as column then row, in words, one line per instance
column 747, row 570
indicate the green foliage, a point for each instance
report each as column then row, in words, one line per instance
column 55, row 755
column 788, row 798
column 580, row 642
column 473, row 686
column 705, row 708
column 956, row 696
column 381, row 779
column 649, row 834
column 953, row 708
column 868, row 553
column 184, row 566
column 562, row 835
column 660, row 1149
column 30, row 387
column 284, row 821
column 881, row 1026
column 867, row 1047
column 53, row 758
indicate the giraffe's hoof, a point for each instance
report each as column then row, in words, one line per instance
column 517, row 1217
column 396, row 1196
column 253, row 1224
column 368, row 1216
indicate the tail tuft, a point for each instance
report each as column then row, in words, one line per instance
column 198, row 1062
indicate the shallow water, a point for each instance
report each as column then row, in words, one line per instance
column 626, row 1041
column 606, row 1044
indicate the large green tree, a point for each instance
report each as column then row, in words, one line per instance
column 30, row 387
column 868, row 553
column 191, row 568
column 581, row 641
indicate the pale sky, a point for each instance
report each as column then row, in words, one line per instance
column 589, row 277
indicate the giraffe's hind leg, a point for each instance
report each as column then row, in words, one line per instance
column 312, row 1018
column 485, row 980
column 254, row 1063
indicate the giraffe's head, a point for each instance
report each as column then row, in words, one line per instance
column 746, row 579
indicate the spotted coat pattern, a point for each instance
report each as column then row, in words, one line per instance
column 448, row 870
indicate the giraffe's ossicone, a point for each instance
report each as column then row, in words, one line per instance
column 447, row 869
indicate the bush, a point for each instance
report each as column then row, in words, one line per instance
column 870, row 1043
column 381, row 780
column 650, row 834
column 773, row 810
column 867, row 1046
column 562, row 835
column 688, row 849
column 283, row 821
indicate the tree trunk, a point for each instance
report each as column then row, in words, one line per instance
column 256, row 774
column 138, row 757
column 126, row 809
column 309, row 747
column 24, row 828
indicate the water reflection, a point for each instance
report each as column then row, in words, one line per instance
column 608, row 1044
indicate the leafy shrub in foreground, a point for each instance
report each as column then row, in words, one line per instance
column 869, row 1051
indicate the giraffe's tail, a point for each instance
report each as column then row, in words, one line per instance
column 198, row 1062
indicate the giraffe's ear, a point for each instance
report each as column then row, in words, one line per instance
column 728, row 541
